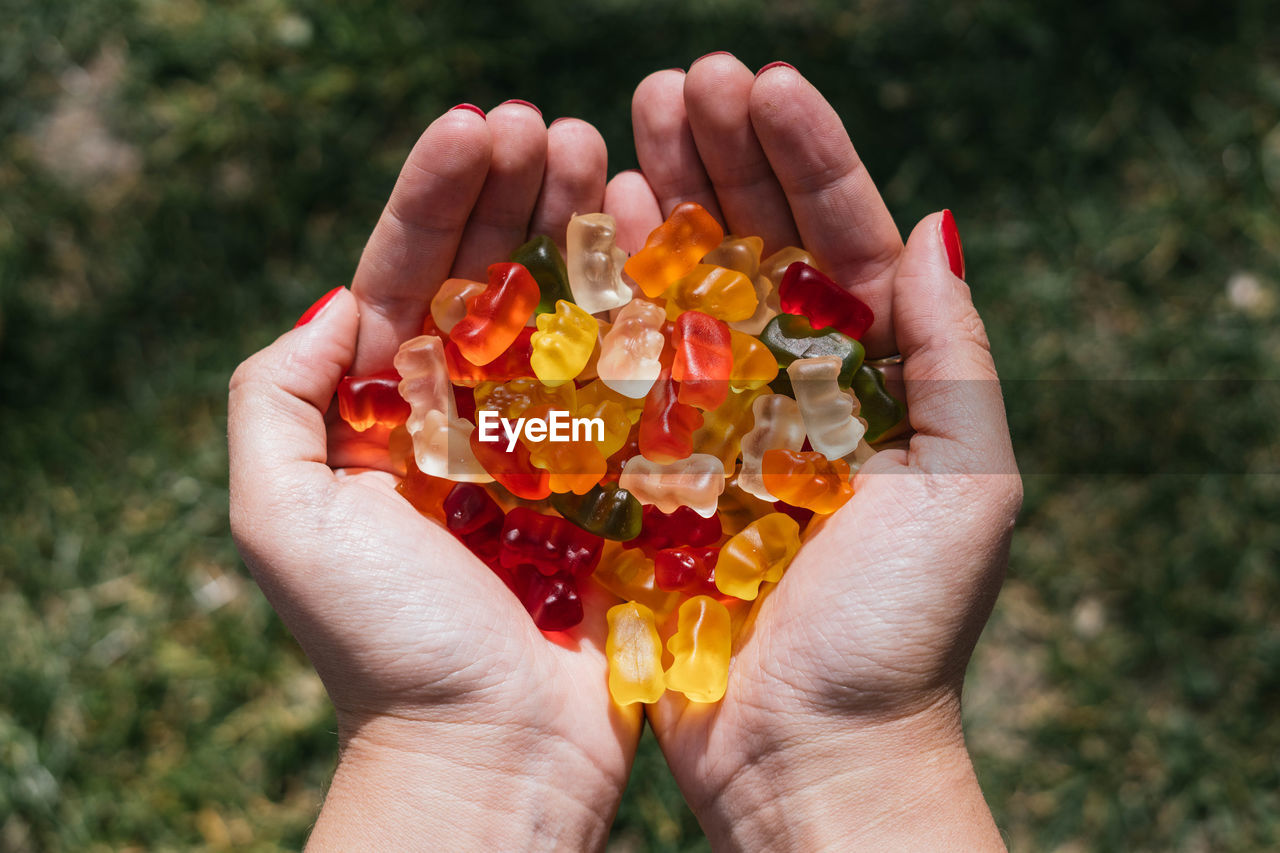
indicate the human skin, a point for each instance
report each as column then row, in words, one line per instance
column 458, row 720
column 459, row 723
column 841, row 725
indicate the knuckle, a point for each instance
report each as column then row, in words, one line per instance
column 971, row 329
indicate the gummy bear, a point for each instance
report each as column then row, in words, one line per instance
column 703, row 359
column 595, row 263
column 449, row 305
column 667, row 425
column 829, row 416
column 630, row 354
column 496, row 314
column 777, row 425
column 674, row 248
column 682, row 526
column 542, row 259
column 441, row 441
column 688, row 569
column 606, row 511
column 634, row 652
column 806, row 291
column 807, row 479
column 881, row 409
column 743, row 254
column 630, row 575
column 552, row 600
column 790, row 338
column 694, row 482
column 722, row 293
column 701, row 648
column 723, row 429
column 548, row 543
column 364, row 401
column 563, row 343
column 754, row 365
column 759, row 552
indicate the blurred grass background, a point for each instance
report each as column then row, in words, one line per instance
column 179, row 180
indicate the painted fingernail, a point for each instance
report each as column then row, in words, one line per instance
column 522, row 103
column 471, row 107
column 775, row 65
column 314, row 311
column 951, row 240
column 706, row 55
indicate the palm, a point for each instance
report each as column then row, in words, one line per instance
column 861, row 625
column 421, row 622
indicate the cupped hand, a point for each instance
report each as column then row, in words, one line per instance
column 449, row 701
column 841, row 721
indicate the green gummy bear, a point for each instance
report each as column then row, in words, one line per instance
column 607, row 511
column 790, row 338
column 880, row 409
column 543, row 261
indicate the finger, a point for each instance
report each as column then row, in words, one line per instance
column 275, row 417
column 500, row 221
column 577, row 163
column 717, row 96
column 630, row 200
column 413, row 244
column 836, row 206
column 664, row 144
column 953, row 393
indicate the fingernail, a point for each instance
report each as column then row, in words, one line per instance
column 681, row 70
column 775, row 65
column 706, row 55
column 557, row 121
column 314, row 311
column 522, row 103
column 951, row 239
column 471, row 107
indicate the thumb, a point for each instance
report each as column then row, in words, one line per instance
column 275, row 419
column 953, row 393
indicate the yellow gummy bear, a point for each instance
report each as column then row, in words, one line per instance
column 761, row 551
column 701, row 647
column 634, row 651
column 723, row 293
column 563, row 343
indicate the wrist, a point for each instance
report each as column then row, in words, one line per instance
column 905, row 784
column 407, row 785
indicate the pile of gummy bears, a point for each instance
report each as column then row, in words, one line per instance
column 725, row 404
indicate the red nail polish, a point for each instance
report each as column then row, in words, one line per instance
column 471, row 107
column 522, row 103
column 707, row 55
column 312, row 312
column 775, row 65
column 951, row 240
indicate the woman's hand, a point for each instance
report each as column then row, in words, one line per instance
column 841, row 724
column 460, row 724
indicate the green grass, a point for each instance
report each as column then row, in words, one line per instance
column 179, row 180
